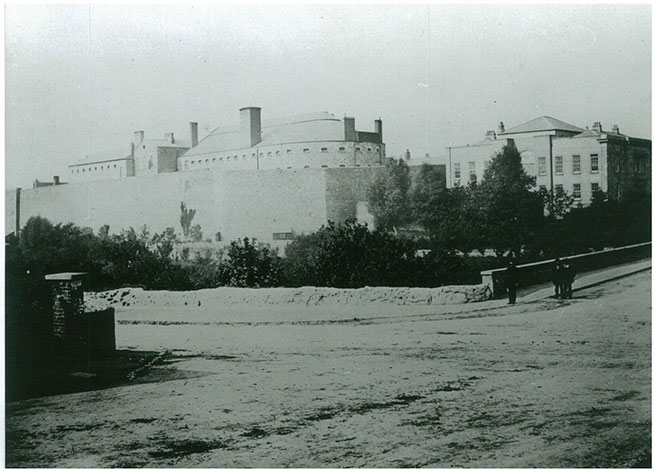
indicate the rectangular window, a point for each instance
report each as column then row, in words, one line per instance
column 559, row 165
column 559, row 189
column 595, row 187
column 594, row 163
column 473, row 177
column 458, row 170
column 640, row 166
column 576, row 191
column 576, row 164
column 541, row 164
column 617, row 165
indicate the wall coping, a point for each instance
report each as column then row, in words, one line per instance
column 577, row 256
column 66, row 276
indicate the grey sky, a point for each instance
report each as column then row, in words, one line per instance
column 81, row 79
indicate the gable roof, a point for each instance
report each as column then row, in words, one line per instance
column 543, row 123
column 121, row 153
column 314, row 127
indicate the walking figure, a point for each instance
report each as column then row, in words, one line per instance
column 511, row 280
column 556, row 277
column 568, row 275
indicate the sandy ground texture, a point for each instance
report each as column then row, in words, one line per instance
column 547, row 383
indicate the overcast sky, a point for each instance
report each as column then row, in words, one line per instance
column 81, row 79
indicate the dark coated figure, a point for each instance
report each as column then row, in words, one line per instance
column 568, row 275
column 556, row 277
column 511, row 279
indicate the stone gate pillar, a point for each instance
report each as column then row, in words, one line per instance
column 67, row 300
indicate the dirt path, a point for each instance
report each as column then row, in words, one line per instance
column 540, row 384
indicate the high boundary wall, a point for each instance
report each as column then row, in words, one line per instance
column 233, row 203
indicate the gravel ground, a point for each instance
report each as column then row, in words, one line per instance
column 546, row 383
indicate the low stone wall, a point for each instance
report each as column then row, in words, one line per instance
column 304, row 296
column 540, row 272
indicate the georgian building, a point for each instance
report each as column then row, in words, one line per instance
column 561, row 157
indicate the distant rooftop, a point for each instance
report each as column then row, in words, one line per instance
column 318, row 126
column 541, row 124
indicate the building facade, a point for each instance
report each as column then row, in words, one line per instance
column 561, row 157
column 318, row 140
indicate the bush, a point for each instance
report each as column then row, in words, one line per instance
column 247, row 265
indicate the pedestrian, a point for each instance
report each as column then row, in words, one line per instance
column 568, row 275
column 511, row 279
column 556, row 277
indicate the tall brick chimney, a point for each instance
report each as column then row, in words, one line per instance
column 251, row 126
column 350, row 135
column 194, row 133
column 597, row 127
column 378, row 128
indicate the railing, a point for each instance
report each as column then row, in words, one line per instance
column 540, row 272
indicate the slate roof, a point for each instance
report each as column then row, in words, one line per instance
column 315, row 127
column 120, row 153
column 125, row 151
column 541, row 124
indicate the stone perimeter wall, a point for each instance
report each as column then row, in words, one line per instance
column 304, row 296
column 234, row 203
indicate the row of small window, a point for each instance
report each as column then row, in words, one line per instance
column 576, row 166
column 270, row 153
column 577, row 189
column 95, row 168
column 473, row 176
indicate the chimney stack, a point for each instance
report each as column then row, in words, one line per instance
column 378, row 128
column 194, row 133
column 491, row 135
column 597, row 127
column 56, row 180
column 139, row 135
column 170, row 138
column 615, row 129
column 501, row 128
column 407, row 155
column 251, row 126
column 350, row 135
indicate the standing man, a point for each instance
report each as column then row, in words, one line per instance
column 556, row 277
column 511, row 278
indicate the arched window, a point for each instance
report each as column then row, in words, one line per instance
column 342, row 149
column 324, row 150
column 305, row 150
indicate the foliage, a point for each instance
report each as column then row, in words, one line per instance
column 444, row 214
column 248, row 265
column 556, row 203
column 186, row 217
column 195, row 233
column 511, row 211
column 348, row 255
column 388, row 196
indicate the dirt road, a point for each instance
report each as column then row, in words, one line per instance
column 541, row 384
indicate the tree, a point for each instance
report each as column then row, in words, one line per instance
column 165, row 241
column 388, row 196
column 247, row 265
column 511, row 211
column 348, row 255
column 447, row 215
column 557, row 203
column 186, row 217
column 195, row 233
